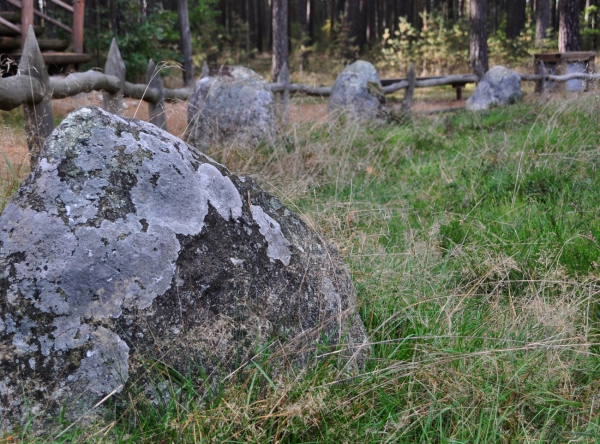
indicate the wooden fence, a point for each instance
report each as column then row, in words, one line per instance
column 33, row 89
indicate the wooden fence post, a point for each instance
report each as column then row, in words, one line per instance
column 542, row 84
column 407, row 101
column 39, row 121
column 156, row 110
column 284, row 97
column 205, row 70
column 113, row 102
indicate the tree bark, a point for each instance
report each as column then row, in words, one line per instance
column 186, row 42
column 351, row 26
column 301, row 10
column 542, row 21
column 280, row 36
column 568, row 26
column 479, row 47
column 515, row 23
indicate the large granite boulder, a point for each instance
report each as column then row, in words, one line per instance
column 232, row 106
column 499, row 86
column 357, row 93
column 125, row 247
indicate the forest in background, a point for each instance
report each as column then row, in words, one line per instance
column 431, row 34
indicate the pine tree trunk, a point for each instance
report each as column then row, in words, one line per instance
column 186, row 42
column 280, row 36
column 542, row 21
column 478, row 47
column 568, row 26
column 351, row 24
column 515, row 12
column 301, row 10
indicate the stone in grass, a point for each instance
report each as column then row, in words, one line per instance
column 232, row 106
column 125, row 246
column 357, row 93
column 498, row 87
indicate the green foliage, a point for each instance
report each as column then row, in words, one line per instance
column 512, row 52
column 142, row 38
column 154, row 35
column 437, row 48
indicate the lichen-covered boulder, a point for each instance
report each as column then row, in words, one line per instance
column 357, row 93
column 125, row 247
column 232, row 106
column 499, row 86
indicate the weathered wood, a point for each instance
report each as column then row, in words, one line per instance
column 18, row 90
column 141, row 92
column 446, row 80
column 205, row 70
column 156, row 109
column 113, row 102
column 79, row 82
column 542, row 84
column 177, row 95
column 18, row 4
column 11, row 16
column 39, row 121
column 65, row 58
column 575, row 75
column 14, row 43
column 284, row 96
column 390, row 89
column 78, row 15
column 10, row 25
column 63, row 5
column 410, row 90
column 26, row 18
column 299, row 88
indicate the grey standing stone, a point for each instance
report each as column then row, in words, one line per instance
column 357, row 93
column 126, row 246
column 499, row 86
column 233, row 105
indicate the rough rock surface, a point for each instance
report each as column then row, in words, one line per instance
column 233, row 105
column 357, row 93
column 126, row 246
column 499, row 86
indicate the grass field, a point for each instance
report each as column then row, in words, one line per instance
column 474, row 244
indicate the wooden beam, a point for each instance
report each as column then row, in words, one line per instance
column 18, row 4
column 141, row 91
column 79, row 82
column 178, row 95
column 39, row 121
column 63, row 5
column 10, row 25
column 78, row 16
column 17, row 90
